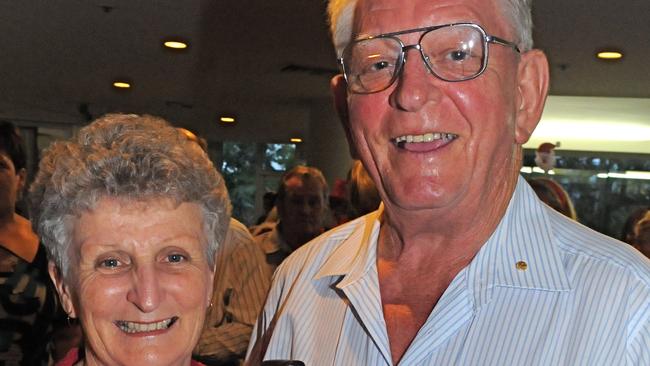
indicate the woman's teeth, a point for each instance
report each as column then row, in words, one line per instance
column 427, row 137
column 133, row 327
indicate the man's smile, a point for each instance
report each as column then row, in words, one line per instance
column 426, row 142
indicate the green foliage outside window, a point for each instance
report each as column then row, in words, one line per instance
column 243, row 167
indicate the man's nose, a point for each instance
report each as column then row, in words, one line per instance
column 305, row 207
column 145, row 292
column 416, row 86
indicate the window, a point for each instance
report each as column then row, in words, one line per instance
column 602, row 193
column 252, row 169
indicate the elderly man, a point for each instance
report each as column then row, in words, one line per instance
column 302, row 203
column 462, row 265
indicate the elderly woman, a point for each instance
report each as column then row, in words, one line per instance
column 131, row 214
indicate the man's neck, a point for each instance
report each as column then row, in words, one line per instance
column 453, row 233
column 295, row 239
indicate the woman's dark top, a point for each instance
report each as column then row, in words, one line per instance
column 28, row 306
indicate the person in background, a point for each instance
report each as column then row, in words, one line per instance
column 642, row 235
column 340, row 210
column 302, row 205
column 131, row 214
column 241, row 281
column 268, row 202
column 627, row 234
column 27, row 300
column 636, row 231
column 554, row 195
column 462, row 264
column 364, row 196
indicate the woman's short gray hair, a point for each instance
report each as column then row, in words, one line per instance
column 341, row 19
column 128, row 157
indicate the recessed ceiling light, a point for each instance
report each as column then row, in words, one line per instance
column 609, row 55
column 296, row 139
column 177, row 45
column 121, row 84
column 227, row 119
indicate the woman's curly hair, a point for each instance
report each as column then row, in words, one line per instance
column 129, row 157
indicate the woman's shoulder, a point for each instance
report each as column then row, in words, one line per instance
column 19, row 239
column 70, row 358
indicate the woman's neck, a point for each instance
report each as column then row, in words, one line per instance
column 18, row 237
column 7, row 219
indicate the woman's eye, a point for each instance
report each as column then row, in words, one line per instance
column 109, row 263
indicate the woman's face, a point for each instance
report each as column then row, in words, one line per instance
column 11, row 182
column 139, row 281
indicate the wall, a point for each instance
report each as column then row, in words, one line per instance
column 327, row 147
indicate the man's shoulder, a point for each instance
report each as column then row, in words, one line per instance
column 268, row 240
column 593, row 248
column 237, row 238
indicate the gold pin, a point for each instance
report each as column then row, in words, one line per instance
column 522, row 266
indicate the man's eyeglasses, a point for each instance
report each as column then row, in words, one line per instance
column 451, row 52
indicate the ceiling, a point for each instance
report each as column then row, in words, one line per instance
column 60, row 57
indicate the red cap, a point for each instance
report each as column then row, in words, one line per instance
column 546, row 147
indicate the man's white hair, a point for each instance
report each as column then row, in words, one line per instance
column 341, row 19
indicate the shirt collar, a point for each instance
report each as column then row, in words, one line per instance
column 522, row 251
column 357, row 253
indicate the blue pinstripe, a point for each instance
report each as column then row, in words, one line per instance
column 583, row 300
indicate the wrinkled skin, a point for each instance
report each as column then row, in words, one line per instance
column 141, row 262
column 442, row 200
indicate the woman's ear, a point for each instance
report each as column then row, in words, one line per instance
column 62, row 289
column 532, row 88
column 213, row 271
column 339, row 89
column 22, row 181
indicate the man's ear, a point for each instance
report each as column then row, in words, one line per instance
column 64, row 291
column 532, row 88
column 339, row 89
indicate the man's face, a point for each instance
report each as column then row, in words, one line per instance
column 303, row 207
column 481, row 113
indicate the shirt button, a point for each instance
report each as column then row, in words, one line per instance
column 522, row 266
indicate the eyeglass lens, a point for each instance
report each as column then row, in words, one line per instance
column 452, row 53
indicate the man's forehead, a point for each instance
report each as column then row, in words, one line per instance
column 373, row 17
column 302, row 185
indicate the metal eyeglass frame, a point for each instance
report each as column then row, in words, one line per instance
column 487, row 38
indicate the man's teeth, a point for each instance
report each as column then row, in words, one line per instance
column 132, row 327
column 427, row 137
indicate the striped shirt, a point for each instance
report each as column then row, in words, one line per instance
column 543, row 290
column 241, row 282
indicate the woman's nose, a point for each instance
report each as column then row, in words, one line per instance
column 145, row 292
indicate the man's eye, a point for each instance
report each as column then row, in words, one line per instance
column 176, row 258
column 378, row 66
column 458, row 55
